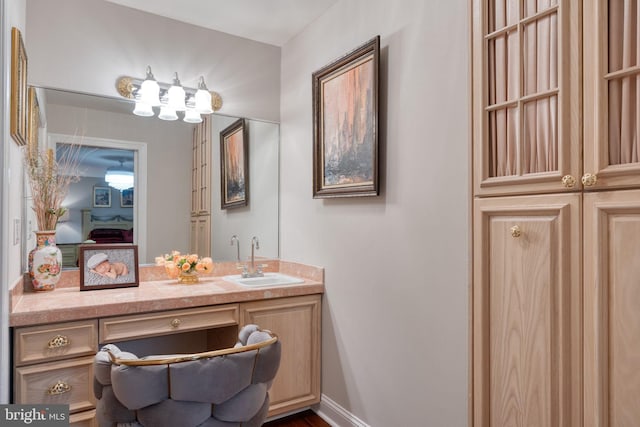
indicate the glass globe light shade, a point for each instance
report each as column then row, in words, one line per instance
column 203, row 102
column 150, row 93
column 192, row 116
column 143, row 109
column 167, row 113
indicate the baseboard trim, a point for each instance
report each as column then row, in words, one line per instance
column 336, row 415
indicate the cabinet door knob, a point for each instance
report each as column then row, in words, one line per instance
column 175, row 323
column 515, row 231
column 58, row 341
column 589, row 179
column 568, row 181
column 60, row 387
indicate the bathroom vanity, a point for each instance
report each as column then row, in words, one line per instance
column 56, row 334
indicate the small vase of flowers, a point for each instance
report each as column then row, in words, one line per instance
column 49, row 180
column 185, row 267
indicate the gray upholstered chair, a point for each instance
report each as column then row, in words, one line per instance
column 223, row 388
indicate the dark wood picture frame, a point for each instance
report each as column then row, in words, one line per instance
column 18, row 121
column 101, row 197
column 234, row 165
column 120, row 270
column 126, row 198
column 345, row 124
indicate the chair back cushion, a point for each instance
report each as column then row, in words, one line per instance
column 222, row 390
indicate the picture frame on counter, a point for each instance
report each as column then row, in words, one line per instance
column 108, row 266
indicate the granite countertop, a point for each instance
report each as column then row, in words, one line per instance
column 154, row 293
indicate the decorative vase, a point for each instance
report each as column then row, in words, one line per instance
column 45, row 262
column 188, row 278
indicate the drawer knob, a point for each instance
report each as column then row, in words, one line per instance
column 589, row 179
column 60, row 387
column 515, row 231
column 58, row 341
column 175, row 323
column 568, row 181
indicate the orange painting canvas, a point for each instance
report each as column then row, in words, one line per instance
column 348, row 127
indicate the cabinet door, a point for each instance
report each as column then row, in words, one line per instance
column 204, row 235
column 526, row 311
column 612, row 93
column 195, row 189
column 526, row 95
column 296, row 321
column 204, row 167
column 612, row 308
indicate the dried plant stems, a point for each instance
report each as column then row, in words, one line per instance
column 49, row 180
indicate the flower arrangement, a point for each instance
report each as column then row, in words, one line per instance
column 176, row 263
column 49, row 180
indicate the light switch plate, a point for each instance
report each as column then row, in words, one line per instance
column 16, row 231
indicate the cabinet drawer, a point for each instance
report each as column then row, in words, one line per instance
column 84, row 419
column 54, row 342
column 66, row 382
column 168, row 322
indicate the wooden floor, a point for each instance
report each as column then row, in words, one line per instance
column 302, row 419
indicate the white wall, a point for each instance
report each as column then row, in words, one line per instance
column 260, row 217
column 85, row 45
column 395, row 313
column 12, row 13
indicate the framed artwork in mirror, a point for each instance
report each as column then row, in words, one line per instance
column 101, row 197
column 345, row 124
column 18, row 126
column 126, row 198
column 234, row 165
column 34, row 119
column 108, row 266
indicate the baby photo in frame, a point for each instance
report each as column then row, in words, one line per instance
column 108, row 266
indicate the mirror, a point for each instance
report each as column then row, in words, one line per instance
column 158, row 208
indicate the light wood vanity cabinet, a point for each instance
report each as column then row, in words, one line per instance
column 296, row 321
column 54, row 363
column 556, row 213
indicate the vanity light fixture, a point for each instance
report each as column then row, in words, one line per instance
column 171, row 98
column 119, row 177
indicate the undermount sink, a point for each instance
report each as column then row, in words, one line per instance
column 269, row 279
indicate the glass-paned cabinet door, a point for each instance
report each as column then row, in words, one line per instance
column 612, row 93
column 526, row 96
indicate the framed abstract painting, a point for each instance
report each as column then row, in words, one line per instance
column 345, row 124
column 19, row 119
column 234, row 165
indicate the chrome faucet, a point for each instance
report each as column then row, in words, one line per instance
column 252, row 270
column 234, row 238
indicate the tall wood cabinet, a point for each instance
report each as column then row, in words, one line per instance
column 200, row 232
column 556, row 217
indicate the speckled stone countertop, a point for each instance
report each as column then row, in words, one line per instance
column 154, row 293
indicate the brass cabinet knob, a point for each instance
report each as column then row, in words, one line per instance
column 589, row 179
column 58, row 341
column 568, row 181
column 60, row 387
column 175, row 323
column 515, row 231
